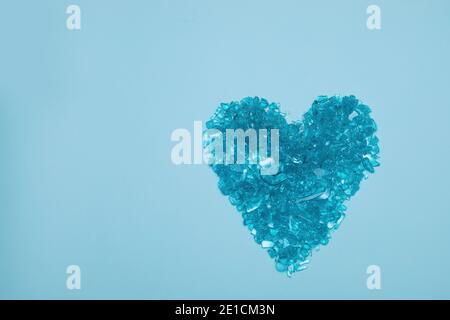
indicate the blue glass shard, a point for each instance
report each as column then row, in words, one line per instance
column 322, row 160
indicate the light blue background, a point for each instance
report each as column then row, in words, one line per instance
column 85, row 123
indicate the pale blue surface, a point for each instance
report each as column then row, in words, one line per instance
column 86, row 116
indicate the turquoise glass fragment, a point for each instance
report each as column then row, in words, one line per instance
column 322, row 160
